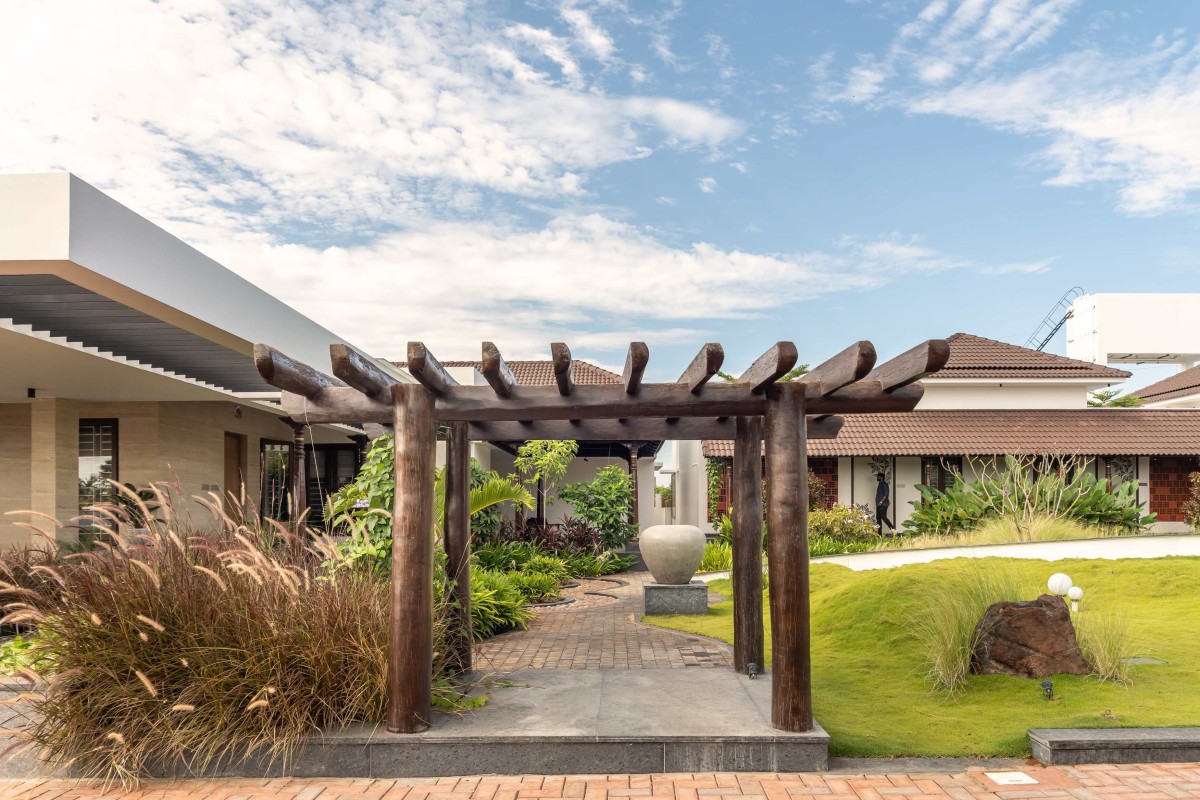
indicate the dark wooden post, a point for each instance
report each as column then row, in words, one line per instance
column 747, row 545
column 787, row 553
column 410, row 650
column 634, row 448
column 456, row 537
column 364, row 446
column 299, row 480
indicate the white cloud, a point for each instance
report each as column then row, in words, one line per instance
column 707, row 185
column 741, row 166
column 262, row 111
column 666, row 201
column 587, row 279
column 594, row 38
column 265, row 130
column 1132, row 121
column 1020, row 268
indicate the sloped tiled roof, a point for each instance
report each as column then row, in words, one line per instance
column 977, row 357
column 1181, row 384
column 989, row 432
column 541, row 373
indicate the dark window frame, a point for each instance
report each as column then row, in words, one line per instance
column 947, row 468
column 115, row 422
column 287, row 480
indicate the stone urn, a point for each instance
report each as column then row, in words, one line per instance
column 672, row 552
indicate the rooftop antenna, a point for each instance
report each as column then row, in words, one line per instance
column 1053, row 321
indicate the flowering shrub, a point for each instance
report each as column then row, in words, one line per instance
column 842, row 522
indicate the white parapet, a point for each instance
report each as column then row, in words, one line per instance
column 1135, row 328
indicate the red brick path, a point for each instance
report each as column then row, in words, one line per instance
column 1139, row 782
column 599, row 632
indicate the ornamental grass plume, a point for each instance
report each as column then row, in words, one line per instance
column 196, row 646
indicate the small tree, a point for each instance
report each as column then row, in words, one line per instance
column 546, row 461
column 605, row 502
column 1112, row 398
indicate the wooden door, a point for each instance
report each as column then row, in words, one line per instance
column 235, row 473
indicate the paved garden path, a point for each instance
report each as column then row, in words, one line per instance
column 599, row 630
column 1137, row 782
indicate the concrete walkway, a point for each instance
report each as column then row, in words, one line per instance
column 877, row 780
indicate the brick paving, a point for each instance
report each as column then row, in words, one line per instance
column 600, row 632
column 1092, row 782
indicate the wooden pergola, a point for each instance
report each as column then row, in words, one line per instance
column 757, row 407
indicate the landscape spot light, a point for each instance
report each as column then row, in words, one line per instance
column 1048, row 690
column 1075, row 594
column 1059, row 584
column 752, row 670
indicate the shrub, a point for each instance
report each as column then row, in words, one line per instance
column 537, row 587
column 178, row 645
column 1104, row 638
column 550, row 566
column 944, row 625
column 718, row 557
column 589, row 564
column 1191, row 507
column 498, row 603
column 844, row 522
column 1020, row 492
column 605, row 502
column 999, row 530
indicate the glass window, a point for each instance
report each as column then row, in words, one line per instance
column 276, row 461
column 97, row 460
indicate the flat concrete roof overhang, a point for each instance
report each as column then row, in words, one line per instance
column 80, row 270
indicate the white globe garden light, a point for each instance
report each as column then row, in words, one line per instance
column 1059, row 584
column 1075, row 594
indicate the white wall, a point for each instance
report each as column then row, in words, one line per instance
column 1135, row 327
column 1009, row 394
column 691, row 486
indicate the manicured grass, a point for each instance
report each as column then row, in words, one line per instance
column 868, row 686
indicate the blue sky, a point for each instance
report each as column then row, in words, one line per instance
column 672, row 171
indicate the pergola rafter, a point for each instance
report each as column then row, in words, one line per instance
column 756, row 407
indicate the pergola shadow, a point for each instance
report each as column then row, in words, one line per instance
column 757, row 407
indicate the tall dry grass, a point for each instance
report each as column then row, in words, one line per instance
column 1003, row 530
column 944, row 622
column 180, row 646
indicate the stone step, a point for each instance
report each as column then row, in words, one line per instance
column 1115, row 745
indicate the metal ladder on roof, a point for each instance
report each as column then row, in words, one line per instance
column 1053, row 321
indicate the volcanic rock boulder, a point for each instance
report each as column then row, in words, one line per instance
column 1031, row 639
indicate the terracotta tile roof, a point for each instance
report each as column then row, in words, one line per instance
column 541, row 373
column 1181, row 384
column 987, row 432
column 977, row 357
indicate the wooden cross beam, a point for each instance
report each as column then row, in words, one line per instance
column 360, row 373
column 847, row 367
column 644, row 428
column 911, row 365
column 428, row 371
column 706, row 364
column 564, row 368
column 770, row 366
column 496, row 372
column 661, row 400
column 290, row 375
column 635, row 365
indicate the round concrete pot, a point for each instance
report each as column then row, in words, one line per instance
column 672, row 552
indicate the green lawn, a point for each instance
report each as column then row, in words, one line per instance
column 868, row 689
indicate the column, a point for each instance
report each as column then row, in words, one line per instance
column 410, row 650
column 456, row 537
column 746, row 493
column 787, row 554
